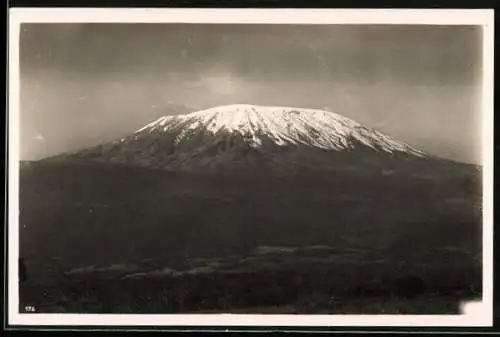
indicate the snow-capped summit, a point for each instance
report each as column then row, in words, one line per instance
column 282, row 125
column 244, row 133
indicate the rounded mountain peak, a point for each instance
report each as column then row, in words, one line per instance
column 242, row 134
column 281, row 125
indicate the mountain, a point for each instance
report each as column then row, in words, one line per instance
column 248, row 193
column 238, row 135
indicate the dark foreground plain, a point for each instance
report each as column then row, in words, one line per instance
column 106, row 238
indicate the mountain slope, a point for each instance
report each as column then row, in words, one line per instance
column 75, row 214
column 382, row 209
column 241, row 134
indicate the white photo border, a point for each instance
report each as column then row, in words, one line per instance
column 475, row 314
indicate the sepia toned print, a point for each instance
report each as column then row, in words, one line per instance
column 250, row 169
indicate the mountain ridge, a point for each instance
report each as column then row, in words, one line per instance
column 282, row 123
column 239, row 135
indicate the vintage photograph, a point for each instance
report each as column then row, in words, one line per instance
column 270, row 169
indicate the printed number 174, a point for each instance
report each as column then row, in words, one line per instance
column 29, row 308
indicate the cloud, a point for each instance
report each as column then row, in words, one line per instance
column 224, row 84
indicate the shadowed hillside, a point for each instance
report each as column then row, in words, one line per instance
column 379, row 227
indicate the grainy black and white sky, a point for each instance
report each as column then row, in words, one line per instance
column 82, row 84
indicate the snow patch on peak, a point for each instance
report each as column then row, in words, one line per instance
column 283, row 125
column 159, row 122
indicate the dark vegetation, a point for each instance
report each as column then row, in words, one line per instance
column 306, row 293
column 413, row 237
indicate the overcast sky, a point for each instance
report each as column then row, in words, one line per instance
column 82, row 84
